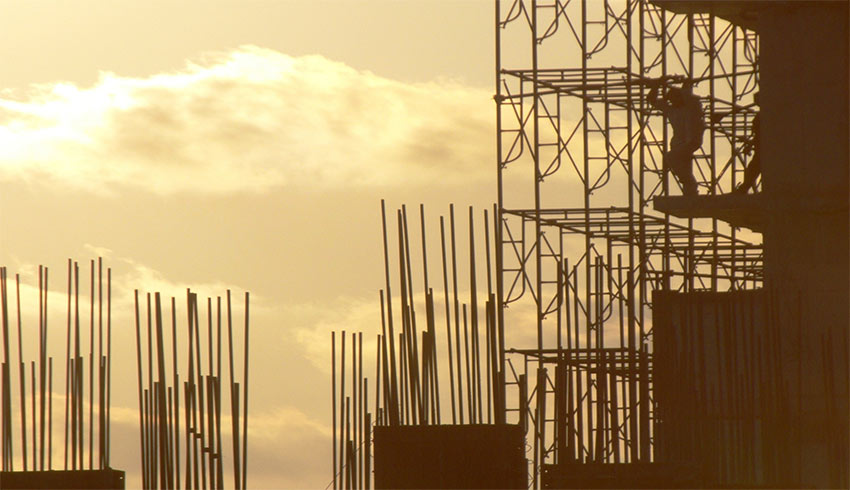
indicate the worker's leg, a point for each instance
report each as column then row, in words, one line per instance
column 686, row 177
column 751, row 173
column 679, row 160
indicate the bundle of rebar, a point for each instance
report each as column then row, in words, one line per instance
column 36, row 439
column 407, row 378
column 410, row 391
column 159, row 398
column 352, row 467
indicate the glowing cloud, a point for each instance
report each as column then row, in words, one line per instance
column 248, row 120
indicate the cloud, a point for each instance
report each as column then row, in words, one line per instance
column 312, row 324
column 288, row 449
column 248, row 120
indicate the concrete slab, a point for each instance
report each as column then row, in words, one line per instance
column 741, row 210
column 743, row 13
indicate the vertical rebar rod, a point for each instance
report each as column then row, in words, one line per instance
column 378, row 379
column 166, row 477
column 219, row 450
column 67, row 365
column 234, row 399
column 192, row 477
column 73, row 373
column 560, row 374
column 473, row 305
column 43, row 373
column 101, row 375
column 424, row 247
column 448, row 318
column 50, row 414
column 382, row 359
column 354, row 394
column 22, row 368
column 169, row 429
column 186, row 407
column 34, row 416
column 456, row 311
column 432, row 357
column 541, row 414
column 220, row 466
column 210, row 428
column 394, row 405
column 214, row 456
column 492, row 356
column 81, row 430
column 210, row 357
column 404, row 403
column 406, row 352
column 35, row 428
column 362, row 404
column 91, row 369
column 176, row 385
column 489, row 338
column 579, row 420
column 470, row 403
column 109, row 364
column 342, row 399
column 414, row 336
column 100, row 389
column 6, row 417
column 150, row 389
column 139, row 372
column 348, row 452
column 368, row 449
column 428, row 414
column 432, row 353
column 198, row 396
column 626, row 434
column 245, row 410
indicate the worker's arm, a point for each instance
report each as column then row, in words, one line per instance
column 653, row 98
column 752, row 143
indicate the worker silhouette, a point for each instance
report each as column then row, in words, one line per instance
column 753, row 169
column 683, row 109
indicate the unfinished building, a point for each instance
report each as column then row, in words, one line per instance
column 639, row 337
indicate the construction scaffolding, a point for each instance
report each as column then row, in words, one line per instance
column 580, row 163
column 546, row 320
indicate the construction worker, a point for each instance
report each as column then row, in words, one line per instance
column 753, row 170
column 684, row 111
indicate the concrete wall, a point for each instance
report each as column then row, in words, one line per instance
column 804, row 106
column 57, row 480
column 719, row 402
column 450, row 456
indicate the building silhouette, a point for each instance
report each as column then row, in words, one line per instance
column 638, row 335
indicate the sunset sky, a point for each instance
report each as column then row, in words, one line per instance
column 242, row 145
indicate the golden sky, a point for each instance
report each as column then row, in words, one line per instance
column 243, row 145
